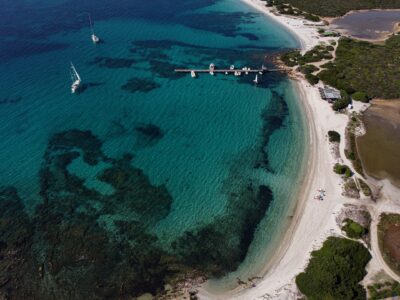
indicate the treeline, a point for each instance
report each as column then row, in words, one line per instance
column 363, row 67
column 361, row 70
column 333, row 8
column 335, row 270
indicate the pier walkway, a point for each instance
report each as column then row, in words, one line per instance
column 261, row 71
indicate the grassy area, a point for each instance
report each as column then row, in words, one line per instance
column 334, row 136
column 365, row 70
column 332, row 8
column 389, row 221
column 335, row 270
column 353, row 229
column 384, row 290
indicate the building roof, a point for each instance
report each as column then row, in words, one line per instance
column 329, row 93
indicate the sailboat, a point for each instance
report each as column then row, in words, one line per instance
column 76, row 79
column 95, row 38
column 256, row 80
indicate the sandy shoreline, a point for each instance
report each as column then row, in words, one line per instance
column 313, row 220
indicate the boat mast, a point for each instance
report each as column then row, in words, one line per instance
column 91, row 25
column 75, row 72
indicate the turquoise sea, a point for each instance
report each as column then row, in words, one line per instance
column 144, row 176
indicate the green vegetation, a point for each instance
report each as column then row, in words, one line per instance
column 312, row 79
column 353, row 229
column 364, row 69
column 384, row 290
column 332, row 8
column 316, row 54
column 334, row 271
column 334, row 136
column 342, row 170
column 389, row 246
column 308, row 69
column 365, row 188
column 351, row 151
column 343, row 102
column 287, row 9
column 360, row 96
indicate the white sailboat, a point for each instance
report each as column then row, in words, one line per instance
column 76, row 79
column 212, row 68
column 256, row 80
column 193, row 74
column 95, row 38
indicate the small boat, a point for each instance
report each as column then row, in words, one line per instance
column 212, row 68
column 76, row 79
column 193, row 74
column 95, row 38
column 238, row 73
column 226, row 73
column 232, row 67
column 256, row 80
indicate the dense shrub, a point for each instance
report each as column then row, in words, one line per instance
column 332, row 8
column 308, row 69
column 362, row 66
column 334, row 136
column 342, row 103
column 342, row 170
column 353, row 229
column 312, row 17
column 360, row 96
column 291, row 58
column 312, row 79
column 334, row 271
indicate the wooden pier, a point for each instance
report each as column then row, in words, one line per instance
column 229, row 71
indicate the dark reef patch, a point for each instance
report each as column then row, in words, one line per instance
column 112, row 62
column 219, row 247
column 273, row 119
column 83, row 87
column 149, row 134
column 81, row 244
column 250, row 36
column 10, row 100
column 143, row 85
column 17, row 48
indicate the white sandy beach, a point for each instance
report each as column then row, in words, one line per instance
column 314, row 220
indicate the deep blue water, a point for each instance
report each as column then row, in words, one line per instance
column 144, row 175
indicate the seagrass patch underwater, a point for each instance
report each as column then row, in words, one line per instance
column 144, row 177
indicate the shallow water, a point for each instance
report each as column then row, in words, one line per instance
column 372, row 24
column 144, row 175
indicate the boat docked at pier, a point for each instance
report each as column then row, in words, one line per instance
column 212, row 68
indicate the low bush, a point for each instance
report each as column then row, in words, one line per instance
column 353, row 229
column 342, row 170
column 342, row 103
column 312, row 79
column 334, row 136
